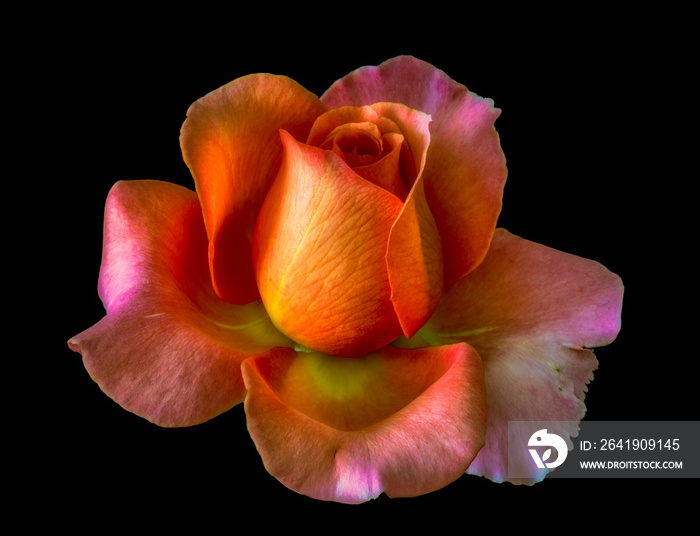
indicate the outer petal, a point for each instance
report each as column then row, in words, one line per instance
column 465, row 170
column 168, row 348
column 320, row 250
column 230, row 142
column 531, row 312
column 404, row 422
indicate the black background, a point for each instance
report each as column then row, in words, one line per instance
column 591, row 125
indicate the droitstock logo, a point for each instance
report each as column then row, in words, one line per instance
column 541, row 438
column 603, row 449
column 539, row 448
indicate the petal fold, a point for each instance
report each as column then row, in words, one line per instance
column 465, row 170
column 403, row 422
column 168, row 348
column 532, row 313
column 415, row 251
column 230, row 142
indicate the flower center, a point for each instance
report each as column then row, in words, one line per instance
column 371, row 145
column 357, row 139
column 359, row 143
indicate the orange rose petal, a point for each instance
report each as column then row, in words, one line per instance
column 414, row 253
column 465, row 171
column 403, row 422
column 532, row 313
column 414, row 262
column 168, row 348
column 230, row 142
column 320, row 248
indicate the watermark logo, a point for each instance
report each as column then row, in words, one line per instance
column 542, row 438
column 603, row 449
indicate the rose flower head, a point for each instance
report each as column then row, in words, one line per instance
column 338, row 270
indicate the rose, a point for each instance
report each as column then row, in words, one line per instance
column 348, row 283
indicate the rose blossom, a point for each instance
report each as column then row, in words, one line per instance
column 339, row 271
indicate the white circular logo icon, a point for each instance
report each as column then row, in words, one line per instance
column 543, row 439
